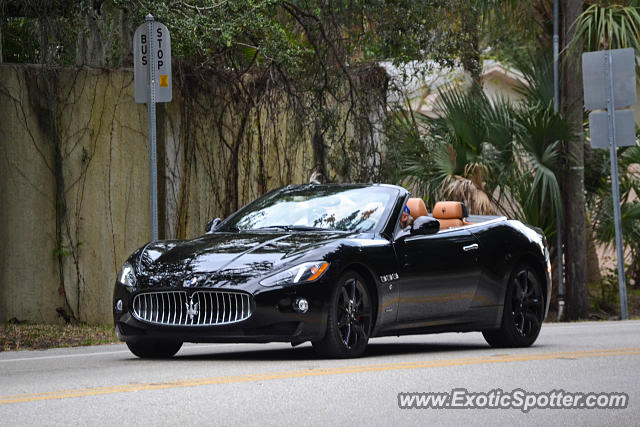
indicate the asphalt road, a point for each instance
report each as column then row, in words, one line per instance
column 264, row 384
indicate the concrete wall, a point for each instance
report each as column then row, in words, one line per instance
column 101, row 136
column 27, row 209
column 71, row 264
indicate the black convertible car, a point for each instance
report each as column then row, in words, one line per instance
column 336, row 265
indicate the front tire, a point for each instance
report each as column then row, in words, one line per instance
column 154, row 349
column 349, row 321
column 523, row 311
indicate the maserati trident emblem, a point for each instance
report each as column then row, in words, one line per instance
column 192, row 309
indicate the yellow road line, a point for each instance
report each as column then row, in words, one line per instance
column 126, row 388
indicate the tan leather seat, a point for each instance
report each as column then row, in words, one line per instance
column 450, row 214
column 417, row 207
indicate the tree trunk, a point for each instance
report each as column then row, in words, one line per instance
column 90, row 47
column 43, row 33
column 470, row 50
column 593, row 263
column 320, row 161
column 126, row 35
column 577, row 297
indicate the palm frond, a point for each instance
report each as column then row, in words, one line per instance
column 611, row 26
column 537, row 71
column 539, row 134
column 630, row 220
column 464, row 190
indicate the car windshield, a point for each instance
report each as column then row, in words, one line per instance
column 314, row 207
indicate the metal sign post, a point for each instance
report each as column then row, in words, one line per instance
column 615, row 187
column 609, row 83
column 151, row 116
column 556, row 108
column 152, row 73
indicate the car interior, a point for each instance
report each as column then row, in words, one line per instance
column 449, row 214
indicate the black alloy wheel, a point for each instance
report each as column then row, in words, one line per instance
column 523, row 311
column 349, row 321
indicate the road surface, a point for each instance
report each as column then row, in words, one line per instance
column 268, row 384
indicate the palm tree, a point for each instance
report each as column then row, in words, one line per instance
column 466, row 149
column 493, row 156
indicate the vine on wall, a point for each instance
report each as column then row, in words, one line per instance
column 227, row 139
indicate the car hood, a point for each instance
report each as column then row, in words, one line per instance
column 220, row 259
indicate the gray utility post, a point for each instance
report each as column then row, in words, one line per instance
column 610, row 83
column 152, row 73
column 151, row 117
column 556, row 108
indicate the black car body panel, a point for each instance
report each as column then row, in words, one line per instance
column 418, row 283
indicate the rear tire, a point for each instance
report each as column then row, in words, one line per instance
column 349, row 321
column 523, row 311
column 154, row 349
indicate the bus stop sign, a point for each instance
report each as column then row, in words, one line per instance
column 160, row 58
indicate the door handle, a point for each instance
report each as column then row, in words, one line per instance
column 471, row 247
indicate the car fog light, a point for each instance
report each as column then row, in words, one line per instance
column 119, row 306
column 301, row 305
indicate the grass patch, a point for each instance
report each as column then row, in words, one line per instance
column 25, row 336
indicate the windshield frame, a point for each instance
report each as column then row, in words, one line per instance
column 380, row 224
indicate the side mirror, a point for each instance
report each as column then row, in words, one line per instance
column 425, row 225
column 212, row 225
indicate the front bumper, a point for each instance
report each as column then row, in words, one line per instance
column 272, row 318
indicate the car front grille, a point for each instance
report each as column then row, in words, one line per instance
column 200, row 308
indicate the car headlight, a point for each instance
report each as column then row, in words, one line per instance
column 127, row 276
column 303, row 273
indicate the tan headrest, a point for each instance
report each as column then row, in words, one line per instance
column 450, row 210
column 417, row 207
